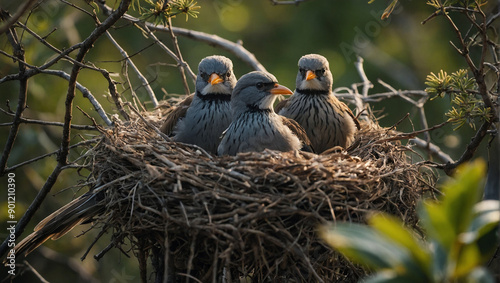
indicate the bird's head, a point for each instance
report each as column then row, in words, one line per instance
column 314, row 73
column 215, row 75
column 256, row 91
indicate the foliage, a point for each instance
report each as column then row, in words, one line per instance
column 460, row 236
column 162, row 10
column 463, row 91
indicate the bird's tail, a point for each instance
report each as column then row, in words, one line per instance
column 60, row 222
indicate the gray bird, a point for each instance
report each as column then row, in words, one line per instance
column 327, row 121
column 201, row 118
column 255, row 125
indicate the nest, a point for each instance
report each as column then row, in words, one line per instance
column 250, row 217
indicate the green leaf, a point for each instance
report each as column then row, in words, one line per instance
column 368, row 247
column 393, row 228
column 436, row 223
column 462, row 194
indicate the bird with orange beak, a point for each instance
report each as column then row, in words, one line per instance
column 255, row 125
column 201, row 118
column 327, row 121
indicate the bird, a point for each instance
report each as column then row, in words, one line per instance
column 327, row 121
column 255, row 125
column 79, row 211
column 201, row 117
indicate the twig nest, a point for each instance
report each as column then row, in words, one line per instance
column 253, row 215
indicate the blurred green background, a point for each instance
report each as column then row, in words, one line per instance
column 400, row 51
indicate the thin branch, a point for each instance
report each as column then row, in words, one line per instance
column 179, row 55
column 449, row 168
column 86, row 93
column 146, row 29
column 144, row 81
column 44, row 123
column 367, row 85
column 432, row 149
column 211, row 39
column 23, row 92
column 287, row 2
column 12, row 20
column 62, row 159
column 37, row 274
column 15, row 167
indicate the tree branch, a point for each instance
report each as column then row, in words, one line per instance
column 23, row 92
column 144, row 81
column 449, row 168
column 214, row 40
column 179, row 55
column 62, row 159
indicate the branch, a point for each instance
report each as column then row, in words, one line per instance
column 449, row 168
column 15, row 167
column 211, row 39
column 144, row 81
column 64, row 149
column 433, row 149
column 287, row 2
column 23, row 92
column 86, row 93
column 12, row 20
column 179, row 55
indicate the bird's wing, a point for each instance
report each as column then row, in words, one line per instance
column 299, row 132
column 62, row 221
column 173, row 117
column 349, row 112
column 282, row 104
column 344, row 108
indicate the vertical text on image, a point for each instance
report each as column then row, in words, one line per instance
column 11, row 222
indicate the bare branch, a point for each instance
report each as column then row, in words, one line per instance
column 62, row 159
column 433, row 149
column 86, row 93
column 214, row 40
column 24, row 163
column 287, row 2
column 12, row 20
column 449, row 168
column 179, row 55
column 144, row 81
column 23, row 92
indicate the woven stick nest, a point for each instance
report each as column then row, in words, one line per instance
column 252, row 216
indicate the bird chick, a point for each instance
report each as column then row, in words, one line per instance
column 327, row 121
column 201, row 118
column 255, row 125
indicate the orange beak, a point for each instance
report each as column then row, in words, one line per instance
column 310, row 75
column 279, row 89
column 215, row 79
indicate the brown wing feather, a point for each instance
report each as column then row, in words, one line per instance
column 282, row 104
column 349, row 112
column 173, row 117
column 299, row 132
column 60, row 222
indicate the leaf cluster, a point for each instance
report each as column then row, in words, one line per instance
column 463, row 91
column 163, row 10
column 460, row 237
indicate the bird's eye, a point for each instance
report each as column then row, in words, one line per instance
column 259, row 86
column 204, row 76
column 302, row 71
column 228, row 74
column 320, row 72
